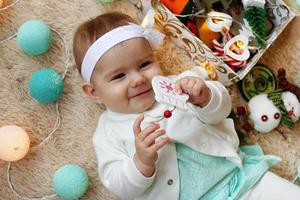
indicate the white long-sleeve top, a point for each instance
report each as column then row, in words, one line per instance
column 205, row 129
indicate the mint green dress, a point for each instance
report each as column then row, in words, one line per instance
column 208, row 177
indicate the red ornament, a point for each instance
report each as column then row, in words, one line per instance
column 281, row 72
column 285, row 85
column 241, row 110
column 167, row 114
column 191, row 26
column 247, row 127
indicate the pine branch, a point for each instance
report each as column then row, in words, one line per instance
column 256, row 17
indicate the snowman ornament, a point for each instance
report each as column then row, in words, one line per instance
column 266, row 116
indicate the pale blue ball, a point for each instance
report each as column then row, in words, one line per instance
column 298, row 3
column 34, row 37
column 46, row 85
column 70, row 182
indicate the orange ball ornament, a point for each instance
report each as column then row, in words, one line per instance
column 1, row 3
column 176, row 6
column 206, row 34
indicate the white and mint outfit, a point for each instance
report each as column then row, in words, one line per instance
column 216, row 178
column 202, row 161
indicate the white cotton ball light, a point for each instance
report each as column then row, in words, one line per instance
column 14, row 143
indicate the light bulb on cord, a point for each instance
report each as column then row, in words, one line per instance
column 14, row 143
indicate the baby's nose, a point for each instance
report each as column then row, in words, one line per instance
column 138, row 79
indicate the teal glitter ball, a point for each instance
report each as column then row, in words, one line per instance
column 70, row 182
column 46, row 85
column 34, row 37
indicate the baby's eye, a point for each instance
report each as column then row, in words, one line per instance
column 145, row 64
column 118, row 76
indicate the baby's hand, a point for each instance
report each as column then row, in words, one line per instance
column 196, row 88
column 146, row 146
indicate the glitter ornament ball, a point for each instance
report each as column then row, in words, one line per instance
column 14, row 143
column 34, row 37
column 46, row 85
column 70, row 182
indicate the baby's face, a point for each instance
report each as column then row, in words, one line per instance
column 122, row 77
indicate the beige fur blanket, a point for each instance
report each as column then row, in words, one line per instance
column 72, row 143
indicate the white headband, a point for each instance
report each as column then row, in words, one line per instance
column 112, row 38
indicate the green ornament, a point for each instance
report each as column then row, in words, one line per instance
column 256, row 18
column 258, row 81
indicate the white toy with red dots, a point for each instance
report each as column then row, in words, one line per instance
column 266, row 116
column 164, row 89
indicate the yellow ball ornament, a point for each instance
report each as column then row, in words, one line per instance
column 14, row 143
column 1, row 3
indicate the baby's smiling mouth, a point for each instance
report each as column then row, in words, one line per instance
column 140, row 93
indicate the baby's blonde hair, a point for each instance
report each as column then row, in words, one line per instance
column 88, row 32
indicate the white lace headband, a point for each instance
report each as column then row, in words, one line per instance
column 112, row 38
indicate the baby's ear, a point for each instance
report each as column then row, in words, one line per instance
column 89, row 90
